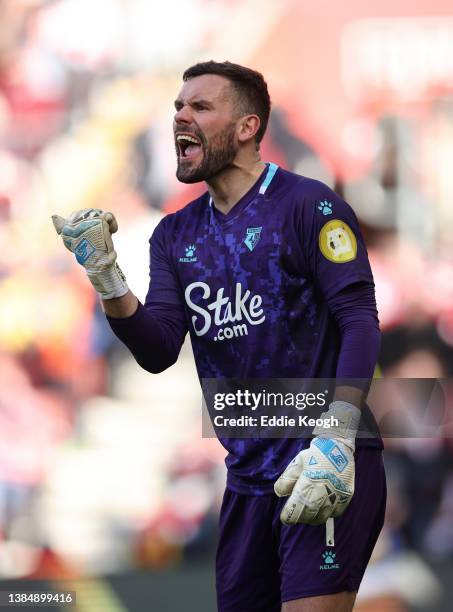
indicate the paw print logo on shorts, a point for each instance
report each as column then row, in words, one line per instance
column 325, row 207
column 328, row 557
column 190, row 250
column 329, row 561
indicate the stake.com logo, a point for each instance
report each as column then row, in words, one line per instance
column 245, row 307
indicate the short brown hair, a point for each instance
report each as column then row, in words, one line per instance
column 250, row 86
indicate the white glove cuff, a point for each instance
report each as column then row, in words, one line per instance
column 346, row 419
column 110, row 283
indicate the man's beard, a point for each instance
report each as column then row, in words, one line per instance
column 217, row 156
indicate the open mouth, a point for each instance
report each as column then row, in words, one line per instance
column 188, row 146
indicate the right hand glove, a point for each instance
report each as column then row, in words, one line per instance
column 87, row 234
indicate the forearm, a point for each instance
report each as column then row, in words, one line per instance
column 154, row 334
column 122, row 307
column 355, row 311
column 351, row 395
column 357, row 361
column 360, row 345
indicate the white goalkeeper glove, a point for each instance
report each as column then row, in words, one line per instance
column 320, row 479
column 87, row 234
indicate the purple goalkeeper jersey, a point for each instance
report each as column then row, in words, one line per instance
column 254, row 285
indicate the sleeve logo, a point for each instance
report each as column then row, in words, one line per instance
column 337, row 241
column 326, row 208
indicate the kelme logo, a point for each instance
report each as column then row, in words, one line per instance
column 190, row 254
column 329, row 561
column 325, row 207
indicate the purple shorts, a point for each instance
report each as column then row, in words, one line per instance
column 262, row 563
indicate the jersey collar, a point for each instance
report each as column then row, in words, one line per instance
column 268, row 174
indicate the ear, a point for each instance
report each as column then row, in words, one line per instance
column 248, row 127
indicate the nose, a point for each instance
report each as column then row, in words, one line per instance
column 183, row 115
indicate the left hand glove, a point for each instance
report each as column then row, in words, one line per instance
column 320, row 479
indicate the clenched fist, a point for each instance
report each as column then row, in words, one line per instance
column 88, row 234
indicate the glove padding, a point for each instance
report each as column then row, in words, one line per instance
column 87, row 234
column 320, row 479
column 319, row 482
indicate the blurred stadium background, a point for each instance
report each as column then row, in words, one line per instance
column 106, row 486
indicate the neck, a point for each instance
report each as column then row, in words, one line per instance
column 228, row 187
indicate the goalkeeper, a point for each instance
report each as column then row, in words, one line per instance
column 268, row 272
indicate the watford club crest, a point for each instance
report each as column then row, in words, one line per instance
column 252, row 237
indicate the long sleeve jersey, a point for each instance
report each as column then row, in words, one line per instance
column 279, row 287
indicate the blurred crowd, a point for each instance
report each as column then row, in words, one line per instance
column 102, row 467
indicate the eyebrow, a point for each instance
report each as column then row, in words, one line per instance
column 194, row 101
